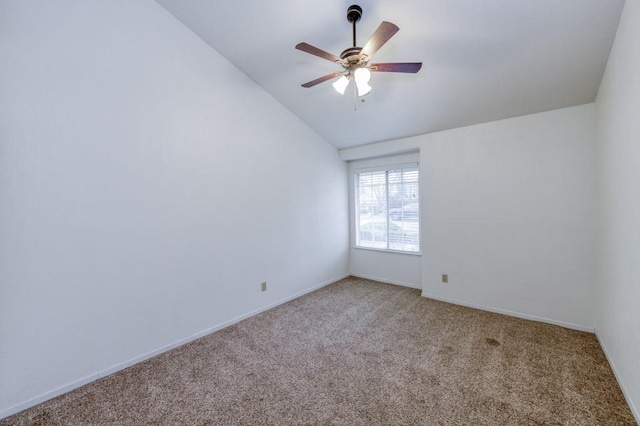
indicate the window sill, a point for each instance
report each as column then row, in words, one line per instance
column 410, row 253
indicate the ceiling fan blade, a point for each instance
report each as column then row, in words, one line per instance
column 385, row 31
column 305, row 47
column 412, row 67
column 322, row 79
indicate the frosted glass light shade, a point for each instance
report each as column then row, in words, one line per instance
column 362, row 76
column 363, row 88
column 341, row 84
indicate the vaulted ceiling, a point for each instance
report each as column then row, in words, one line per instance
column 483, row 60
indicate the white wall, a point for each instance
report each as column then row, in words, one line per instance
column 508, row 211
column 147, row 189
column 618, row 136
column 511, row 215
column 395, row 268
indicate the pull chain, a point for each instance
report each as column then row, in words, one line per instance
column 355, row 98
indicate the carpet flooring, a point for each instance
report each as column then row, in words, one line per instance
column 359, row 352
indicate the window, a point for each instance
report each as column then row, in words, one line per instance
column 388, row 209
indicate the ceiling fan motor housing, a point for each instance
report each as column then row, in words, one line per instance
column 351, row 55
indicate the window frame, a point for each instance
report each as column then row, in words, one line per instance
column 403, row 167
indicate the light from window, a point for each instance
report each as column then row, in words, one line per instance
column 388, row 210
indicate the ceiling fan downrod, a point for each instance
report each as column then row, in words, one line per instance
column 350, row 56
column 354, row 13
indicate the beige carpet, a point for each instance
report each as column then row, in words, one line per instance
column 359, row 352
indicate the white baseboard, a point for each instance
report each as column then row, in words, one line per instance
column 512, row 313
column 93, row 377
column 632, row 407
column 383, row 280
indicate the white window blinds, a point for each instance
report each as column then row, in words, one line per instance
column 387, row 209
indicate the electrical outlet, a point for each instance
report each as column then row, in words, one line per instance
column 264, row 286
column 445, row 278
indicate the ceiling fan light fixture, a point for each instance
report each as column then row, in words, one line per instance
column 362, row 76
column 341, row 84
column 363, row 88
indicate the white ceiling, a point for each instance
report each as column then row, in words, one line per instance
column 483, row 60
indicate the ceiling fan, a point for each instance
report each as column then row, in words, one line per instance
column 355, row 60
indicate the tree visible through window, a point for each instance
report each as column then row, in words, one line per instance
column 388, row 209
